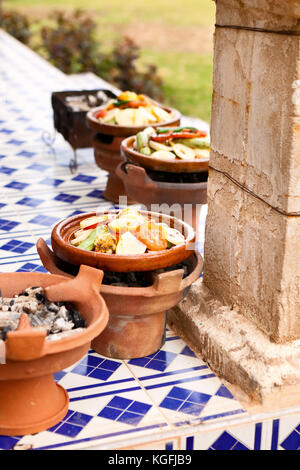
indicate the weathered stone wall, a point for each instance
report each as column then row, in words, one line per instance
column 252, row 248
column 252, row 258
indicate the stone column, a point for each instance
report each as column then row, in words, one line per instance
column 252, row 244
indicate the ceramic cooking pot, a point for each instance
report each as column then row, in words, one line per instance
column 30, row 400
column 107, row 142
column 137, row 320
column 63, row 232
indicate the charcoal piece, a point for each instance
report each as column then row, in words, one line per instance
column 40, row 297
column 75, row 317
column 4, row 332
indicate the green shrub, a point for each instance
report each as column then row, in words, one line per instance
column 125, row 74
column 16, row 24
column 69, row 42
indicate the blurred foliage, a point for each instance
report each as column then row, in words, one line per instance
column 125, row 74
column 68, row 41
column 17, row 25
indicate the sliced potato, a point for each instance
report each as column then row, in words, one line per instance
column 111, row 114
column 126, row 117
column 129, row 245
column 81, row 236
column 183, row 152
column 127, row 223
column 158, row 146
column 160, row 113
column 143, row 117
column 201, row 153
column 92, row 220
column 172, row 235
column 163, row 155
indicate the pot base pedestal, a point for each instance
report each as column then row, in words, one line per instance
column 130, row 337
column 28, row 406
column 115, row 190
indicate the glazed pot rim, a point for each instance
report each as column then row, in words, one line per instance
column 117, row 130
column 66, row 247
column 67, row 343
column 173, row 166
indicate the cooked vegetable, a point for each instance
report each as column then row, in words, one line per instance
column 126, row 233
column 151, row 234
column 105, row 242
column 172, row 235
column 168, row 144
column 163, row 155
column 128, row 221
column 80, row 237
column 183, row 152
column 146, row 151
column 130, row 109
column 89, row 242
column 196, row 143
column 201, row 153
column 91, row 222
column 129, row 245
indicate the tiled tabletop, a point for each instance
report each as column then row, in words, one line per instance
column 113, row 404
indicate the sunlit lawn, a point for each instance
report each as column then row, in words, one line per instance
column 186, row 71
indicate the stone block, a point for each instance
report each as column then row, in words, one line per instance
column 237, row 350
column 255, row 122
column 252, row 258
column 268, row 14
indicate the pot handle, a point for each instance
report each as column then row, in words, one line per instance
column 137, row 174
column 25, row 343
column 87, row 283
column 168, row 282
column 49, row 259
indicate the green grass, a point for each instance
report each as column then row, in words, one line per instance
column 187, row 75
column 187, row 81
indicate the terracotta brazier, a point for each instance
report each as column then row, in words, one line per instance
column 107, row 142
column 137, row 314
column 30, row 400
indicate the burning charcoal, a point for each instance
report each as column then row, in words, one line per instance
column 54, row 317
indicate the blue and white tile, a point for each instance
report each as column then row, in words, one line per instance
column 285, row 432
column 245, row 437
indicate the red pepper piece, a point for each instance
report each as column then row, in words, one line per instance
column 187, row 135
column 135, row 104
column 101, row 114
column 161, row 137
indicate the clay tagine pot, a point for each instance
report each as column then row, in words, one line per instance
column 136, row 326
column 195, row 165
column 160, row 191
column 64, row 230
column 30, row 400
column 107, row 142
